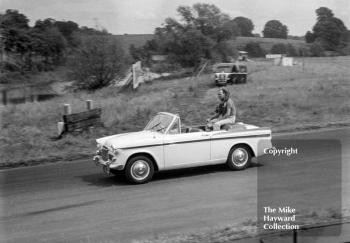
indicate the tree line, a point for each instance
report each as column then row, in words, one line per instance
column 90, row 54
column 45, row 44
column 203, row 31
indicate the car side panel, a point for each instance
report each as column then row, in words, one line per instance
column 186, row 149
column 222, row 143
column 155, row 151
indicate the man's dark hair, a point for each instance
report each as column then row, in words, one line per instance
column 226, row 93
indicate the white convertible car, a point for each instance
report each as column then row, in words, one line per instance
column 166, row 144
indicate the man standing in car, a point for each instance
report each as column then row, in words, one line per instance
column 225, row 111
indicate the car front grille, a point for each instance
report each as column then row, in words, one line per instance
column 222, row 77
column 104, row 153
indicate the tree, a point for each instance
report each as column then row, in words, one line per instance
column 48, row 43
column 200, row 31
column 309, row 37
column 12, row 19
column 98, row 60
column 66, row 28
column 275, row 29
column 329, row 31
column 14, row 28
column 44, row 24
column 245, row 26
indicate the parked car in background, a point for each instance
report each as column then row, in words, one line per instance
column 165, row 144
column 230, row 73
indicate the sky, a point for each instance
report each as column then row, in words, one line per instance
column 143, row 16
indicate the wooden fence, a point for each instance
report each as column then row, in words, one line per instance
column 74, row 122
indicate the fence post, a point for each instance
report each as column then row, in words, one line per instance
column 295, row 236
column 89, row 105
column 60, row 128
column 67, row 109
column 60, row 125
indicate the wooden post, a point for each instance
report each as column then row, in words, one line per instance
column 295, row 236
column 60, row 128
column 67, row 109
column 89, row 105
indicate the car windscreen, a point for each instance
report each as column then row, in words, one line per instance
column 159, row 123
column 225, row 69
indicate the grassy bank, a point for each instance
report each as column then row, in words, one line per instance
column 315, row 93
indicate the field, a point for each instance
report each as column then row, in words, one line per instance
column 314, row 93
column 241, row 42
column 267, row 43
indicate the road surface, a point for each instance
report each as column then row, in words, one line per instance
column 76, row 202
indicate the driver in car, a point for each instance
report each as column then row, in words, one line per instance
column 225, row 111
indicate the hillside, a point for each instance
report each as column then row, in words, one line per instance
column 266, row 43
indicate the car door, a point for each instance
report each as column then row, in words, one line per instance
column 186, row 149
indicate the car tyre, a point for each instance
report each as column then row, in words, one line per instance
column 139, row 170
column 239, row 157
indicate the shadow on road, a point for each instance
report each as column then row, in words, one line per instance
column 102, row 180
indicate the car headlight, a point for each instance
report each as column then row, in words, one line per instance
column 114, row 150
column 99, row 146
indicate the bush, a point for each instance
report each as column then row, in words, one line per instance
column 303, row 52
column 97, row 62
column 291, row 51
column 279, row 48
column 254, row 49
column 316, row 50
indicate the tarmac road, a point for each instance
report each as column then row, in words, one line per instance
column 76, row 202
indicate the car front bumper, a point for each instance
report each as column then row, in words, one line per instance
column 107, row 165
column 220, row 81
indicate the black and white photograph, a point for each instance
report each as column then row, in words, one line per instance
column 184, row 121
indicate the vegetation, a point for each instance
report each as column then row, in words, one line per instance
column 279, row 97
column 96, row 62
column 267, row 43
column 329, row 33
column 50, row 44
column 203, row 31
column 254, row 49
column 244, row 25
column 275, row 29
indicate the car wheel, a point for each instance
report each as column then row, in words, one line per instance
column 139, row 170
column 239, row 157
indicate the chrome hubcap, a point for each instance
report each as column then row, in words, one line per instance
column 239, row 157
column 140, row 169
